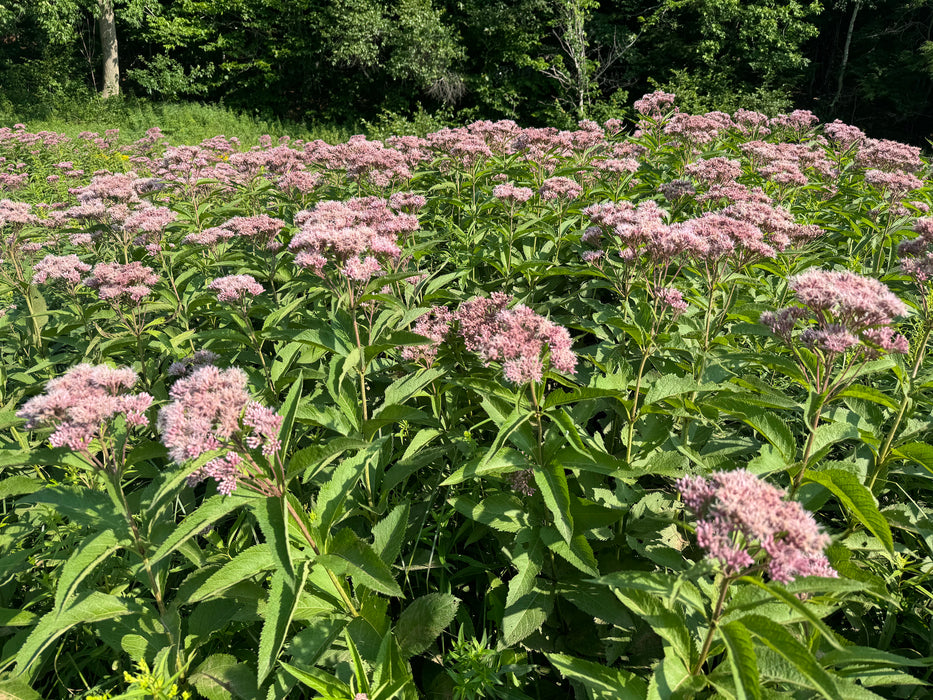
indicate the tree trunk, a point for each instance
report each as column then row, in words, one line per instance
column 108, row 45
column 845, row 55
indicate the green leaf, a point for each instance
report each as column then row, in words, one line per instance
column 498, row 511
column 778, row 591
column 672, row 680
column 288, row 411
column 222, row 677
column 348, row 552
column 246, row 564
column 88, row 607
column 505, row 460
column 324, row 683
column 85, row 558
column 331, row 497
column 778, row 639
column 828, row 435
column 389, row 533
column 403, row 389
column 212, row 510
column 668, row 624
column 742, row 660
column 857, row 499
column 19, row 485
column 670, row 385
column 919, row 452
column 601, row 682
column 559, row 397
column 526, row 606
column 17, row 689
column 307, row 646
column 273, row 521
column 283, row 597
column 867, row 393
column 423, row 620
column 552, row 481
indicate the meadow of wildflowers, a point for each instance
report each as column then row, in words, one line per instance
column 640, row 410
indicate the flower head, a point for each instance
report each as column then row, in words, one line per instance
column 233, row 288
column 516, row 337
column 82, row 401
column 742, row 519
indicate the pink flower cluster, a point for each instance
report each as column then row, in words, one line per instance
column 209, row 408
column 560, row 188
column 233, row 288
column 262, row 228
column 120, row 282
column 516, row 337
column 917, row 253
column 846, row 309
column 356, row 235
column 60, row 267
column 82, row 401
column 655, row 104
column 510, row 193
column 742, row 519
column 434, row 325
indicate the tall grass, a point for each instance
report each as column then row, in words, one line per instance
column 182, row 123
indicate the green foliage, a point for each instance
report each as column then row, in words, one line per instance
column 416, row 513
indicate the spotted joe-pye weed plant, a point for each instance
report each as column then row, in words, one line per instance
column 638, row 410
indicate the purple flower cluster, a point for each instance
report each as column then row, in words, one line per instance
column 82, row 401
column 742, row 519
column 847, row 311
column 516, row 337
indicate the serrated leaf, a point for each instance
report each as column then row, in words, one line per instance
column 399, row 391
column 307, row 646
column 85, row 558
column 246, row 564
column 90, row 607
column 212, row 510
column 389, row 533
column 423, row 620
column 742, row 660
column 778, row 639
column 17, row 689
column 273, row 521
column 552, row 482
column 602, row 682
column 360, row 560
column 333, row 494
column 223, row 677
column 668, row 624
column 670, row 385
column 283, row 597
column 672, row 680
column 498, row 511
column 327, row 685
column 867, row 393
column 857, row 499
column 919, row 452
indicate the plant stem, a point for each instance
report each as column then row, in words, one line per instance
column 717, row 611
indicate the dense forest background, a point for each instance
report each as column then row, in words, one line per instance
column 866, row 62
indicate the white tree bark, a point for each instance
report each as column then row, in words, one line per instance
column 108, row 44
